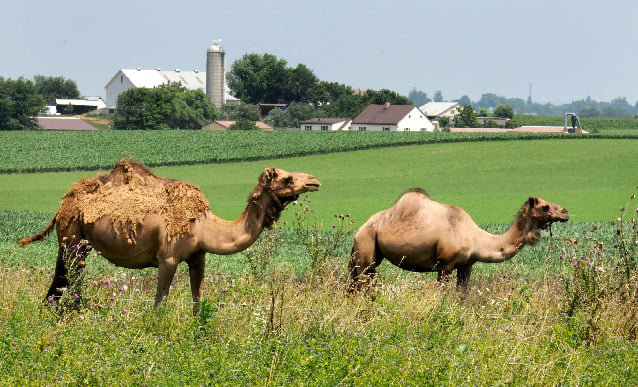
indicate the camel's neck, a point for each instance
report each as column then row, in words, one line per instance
column 498, row 248
column 224, row 237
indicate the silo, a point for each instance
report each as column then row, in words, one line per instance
column 216, row 74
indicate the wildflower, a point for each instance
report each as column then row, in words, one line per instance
column 333, row 226
column 50, row 299
column 576, row 264
column 125, row 311
column 107, row 283
column 112, row 299
column 615, row 245
column 589, row 263
column 75, row 295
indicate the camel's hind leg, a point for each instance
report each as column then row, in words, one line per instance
column 68, row 268
column 363, row 259
column 60, row 280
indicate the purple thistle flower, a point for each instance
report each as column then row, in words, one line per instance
column 107, row 283
column 615, row 245
column 75, row 295
column 576, row 264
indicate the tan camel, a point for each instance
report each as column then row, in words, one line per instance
column 136, row 220
column 419, row 234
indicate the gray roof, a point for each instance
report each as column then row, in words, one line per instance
column 383, row 114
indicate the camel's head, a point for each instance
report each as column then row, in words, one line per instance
column 285, row 186
column 545, row 213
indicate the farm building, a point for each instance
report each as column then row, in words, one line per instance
column 326, row 124
column 223, row 125
column 76, row 106
column 435, row 110
column 392, row 118
column 126, row 79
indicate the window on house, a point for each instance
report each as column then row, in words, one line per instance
column 308, row 127
column 121, row 78
column 407, row 129
column 362, row 128
column 324, row 127
column 386, row 128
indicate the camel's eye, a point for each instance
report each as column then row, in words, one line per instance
column 545, row 208
column 287, row 180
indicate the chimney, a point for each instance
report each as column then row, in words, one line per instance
column 387, row 105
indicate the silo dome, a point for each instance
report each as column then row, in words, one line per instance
column 215, row 48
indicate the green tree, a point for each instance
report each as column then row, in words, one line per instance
column 20, row 104
column 328, row 92
column 464, row 100
column 168, row 106
column 241, row 110
column 301, row 83
column 589, row 112
column 466, row 118
column 418, row 97
column 244, row 124
column 260, row 79
column 279, row 119
column 384, row 95
column 438, row 96
column 51, row 88
column 504, row 111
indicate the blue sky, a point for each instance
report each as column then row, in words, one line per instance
column 566, row 50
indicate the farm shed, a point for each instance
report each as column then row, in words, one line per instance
column 326, row 124
column 77, row 106
column 392, row 118
column 436, row 110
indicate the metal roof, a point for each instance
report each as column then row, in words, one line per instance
column 191, row 80
column 433, row 109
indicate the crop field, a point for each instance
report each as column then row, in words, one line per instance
column 563, row 312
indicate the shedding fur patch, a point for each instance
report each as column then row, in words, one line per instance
column 127, row 194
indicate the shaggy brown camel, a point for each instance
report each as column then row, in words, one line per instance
column 136, row 220
column 419, row 234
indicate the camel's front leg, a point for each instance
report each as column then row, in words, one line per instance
column 196, row 266
column 165, row 273
column 362, row 260
column 463, row 276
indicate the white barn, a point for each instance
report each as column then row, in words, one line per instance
column 126, row 79
column 392, row 118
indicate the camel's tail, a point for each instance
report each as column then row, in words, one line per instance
column 39, row 236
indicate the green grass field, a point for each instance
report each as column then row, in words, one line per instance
column 489, row 179
column 557, row 314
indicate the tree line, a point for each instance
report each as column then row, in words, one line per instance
column 618, row 107
column 22, row 100
column 256, row 79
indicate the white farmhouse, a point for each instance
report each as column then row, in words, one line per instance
column 326, row 124
column 392, row 118
column 126, row 79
